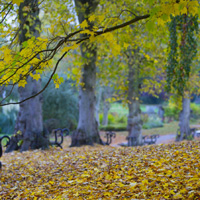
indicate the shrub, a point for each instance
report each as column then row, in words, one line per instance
column 195, row 110
column 60, row 106
column 121, row 120
column 145, row 118
column 171, row 111
column 112, row 119
column 152, row 123
column 7, row 122
column 113, row 127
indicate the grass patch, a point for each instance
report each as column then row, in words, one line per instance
column 170, row 128
column 123, row 109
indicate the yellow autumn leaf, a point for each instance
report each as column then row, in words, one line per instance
column 84, row 24
column 22, row 83
column 18, row 2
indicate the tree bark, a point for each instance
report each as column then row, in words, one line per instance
column 134, row 123
column 98, row 104
column 107, row 93
column 87, row 131
column 29, row 124
column 184, row 121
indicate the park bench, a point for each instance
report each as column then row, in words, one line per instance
column 59, row 134
column 1, row 146
column 193, row 132
column 197, row 133
column 146, row 139
column 109, row 135
column 132, row 141
column 150, row 139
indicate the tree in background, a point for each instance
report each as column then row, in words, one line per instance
column 87, row 130
column 182, row 52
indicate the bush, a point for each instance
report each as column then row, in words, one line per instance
column 113, row 127
column 171, row 111
column 195, row 110
column 113, row 118
column 60, row 107
column 7, row 122
column 121, row 120
column 153, row 123
column 145, row 118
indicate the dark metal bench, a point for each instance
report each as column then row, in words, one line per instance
column 132, row 141
column 1, row 147
column 150, row 139
column 109, row 135
column 193, row 132
column 197, row 133
column 146, row 139
column 59, row 136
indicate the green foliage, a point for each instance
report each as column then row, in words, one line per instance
column 114, row 118
column 180, row 60
column 190, row 137
column 61, row 106
column 121, row 119
column 195, row 110
column 119, row 108
column 171, row 111
column 114, row 127
column 7, row 122
column 152, row 123
column 144, row 118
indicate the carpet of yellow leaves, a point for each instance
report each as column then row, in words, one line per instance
column 169, row 171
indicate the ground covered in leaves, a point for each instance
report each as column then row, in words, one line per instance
column 169, row 171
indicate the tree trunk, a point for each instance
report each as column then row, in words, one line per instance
column 87, row 130
column 134, row 123
column 184, row 121
column 106, row 108
column 29, row 124
column 107, row 93
column 98, row 104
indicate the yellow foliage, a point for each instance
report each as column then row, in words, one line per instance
column 17, row 1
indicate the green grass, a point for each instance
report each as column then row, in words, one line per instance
column 170, row 128
column 123, row 109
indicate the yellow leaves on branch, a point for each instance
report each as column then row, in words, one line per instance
column 161, row 13
column 151, row 172
column 16, row 66
column 17, row 2
column 57, row 80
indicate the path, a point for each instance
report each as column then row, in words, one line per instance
column 163, row 139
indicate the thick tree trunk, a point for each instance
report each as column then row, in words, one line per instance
column 134, row 125
column 87, row 130
column 184, row 121
column 106, row 108
column 98, row 104
column 107, row 93
column 29, row 124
